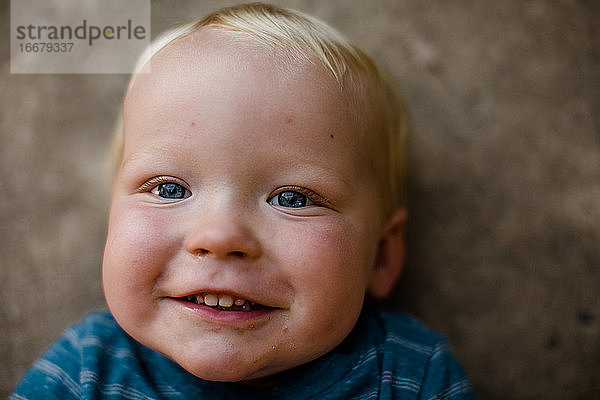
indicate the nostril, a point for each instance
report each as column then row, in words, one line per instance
column 205, row 252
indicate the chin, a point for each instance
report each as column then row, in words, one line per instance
column 233, row 371
column 228, row 376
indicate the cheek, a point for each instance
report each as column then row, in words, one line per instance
column 328, row 267
column 333, row 251
column 137, row 251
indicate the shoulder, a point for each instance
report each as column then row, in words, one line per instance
column 404, row 334
column 80, row 363
column 56, row 373
column 99, row 323
column 414, row 359
column 99, row 333
column 96, row 341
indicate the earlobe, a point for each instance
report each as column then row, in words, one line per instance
column 390, row 255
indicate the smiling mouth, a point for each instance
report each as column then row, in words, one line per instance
column 224, row 302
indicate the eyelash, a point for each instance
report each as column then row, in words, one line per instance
column 154, row 182
column 314, row 197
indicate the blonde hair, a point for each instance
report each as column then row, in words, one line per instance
column 304, row 37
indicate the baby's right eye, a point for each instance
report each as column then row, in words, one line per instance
column 171, row 191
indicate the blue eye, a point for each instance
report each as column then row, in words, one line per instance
column 290, row 199
column 170, row 190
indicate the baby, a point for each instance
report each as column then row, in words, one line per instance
column 258, row 198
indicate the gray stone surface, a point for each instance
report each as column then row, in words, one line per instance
column 504, row 183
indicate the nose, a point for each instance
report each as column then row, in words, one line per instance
column 222, row 236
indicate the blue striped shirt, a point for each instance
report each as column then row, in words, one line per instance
column 387, row 356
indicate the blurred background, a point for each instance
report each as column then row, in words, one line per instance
column 504, row 230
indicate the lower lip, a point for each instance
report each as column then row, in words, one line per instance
column 214, row 315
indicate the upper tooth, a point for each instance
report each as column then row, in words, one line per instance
column 225, row 300
column 199, row 299
column 211, row 299
column 239, row 302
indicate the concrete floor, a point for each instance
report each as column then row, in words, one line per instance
column 504, row 185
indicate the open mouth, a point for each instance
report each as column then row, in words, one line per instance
column 224, row 302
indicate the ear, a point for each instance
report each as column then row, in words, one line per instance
column 390, row 255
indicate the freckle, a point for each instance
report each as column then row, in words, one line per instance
column 193, row 123
column 331, row 136
column 289, row 120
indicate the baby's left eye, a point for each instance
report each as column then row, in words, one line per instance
column 290, row 199
column 171, row 190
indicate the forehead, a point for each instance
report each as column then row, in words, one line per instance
column 216, row 81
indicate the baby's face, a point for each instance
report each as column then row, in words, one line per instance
column 244, row 223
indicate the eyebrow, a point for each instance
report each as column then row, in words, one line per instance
column 149, row 154
column 326, row 173
column 145, row 154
